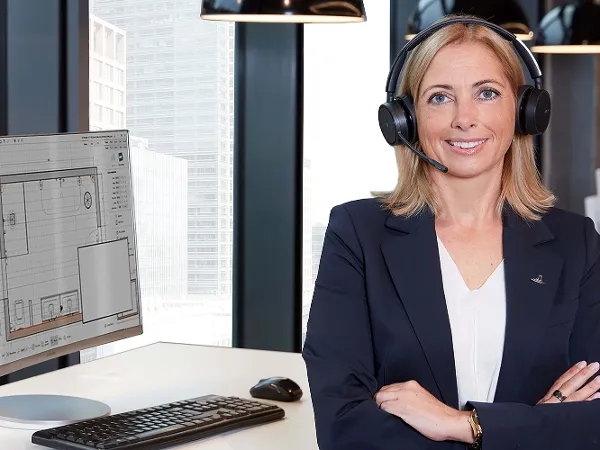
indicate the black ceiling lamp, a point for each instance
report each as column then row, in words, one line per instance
column 570, row 28
column 506, row 13
column 294, row 11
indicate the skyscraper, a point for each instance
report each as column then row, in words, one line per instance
column 160, row 202
column 159, row 184
column 180, row 97
column 159, row 181
column 107, row 75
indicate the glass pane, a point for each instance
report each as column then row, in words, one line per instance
column 161, row 72
column 346, row 157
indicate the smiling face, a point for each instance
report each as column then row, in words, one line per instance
column 466, row 110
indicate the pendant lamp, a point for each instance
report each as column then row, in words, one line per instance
column 291, row 11
column 506, row 13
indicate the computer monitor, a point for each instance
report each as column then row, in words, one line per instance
column 68, row 262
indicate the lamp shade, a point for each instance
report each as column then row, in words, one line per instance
column 505, row 13
column 297, row 11
column 571, row 28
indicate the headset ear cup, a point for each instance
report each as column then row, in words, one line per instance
column 390, row 118
column 413, row 132
column 537, row 111
column 397, row 117
column 533, row 110
column 522, row 96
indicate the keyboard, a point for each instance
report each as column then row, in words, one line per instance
column 160, row 426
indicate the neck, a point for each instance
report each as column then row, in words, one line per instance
column 467, row 202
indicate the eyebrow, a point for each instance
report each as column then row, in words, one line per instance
column 475, row 85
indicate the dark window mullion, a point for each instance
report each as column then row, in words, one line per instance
column 267, row 270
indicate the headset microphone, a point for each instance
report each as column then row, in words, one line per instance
column 422, row 155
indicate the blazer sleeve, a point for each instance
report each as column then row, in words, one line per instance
column 338, row 352
column 564, row 425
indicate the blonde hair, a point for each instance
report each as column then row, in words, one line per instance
column 521, row 187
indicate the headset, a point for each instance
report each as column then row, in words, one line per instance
column 397, row 118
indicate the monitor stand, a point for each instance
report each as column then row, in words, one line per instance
column 34, row 412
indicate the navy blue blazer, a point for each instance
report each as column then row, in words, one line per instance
column 379, row 316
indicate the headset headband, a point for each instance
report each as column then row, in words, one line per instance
column 520, row 47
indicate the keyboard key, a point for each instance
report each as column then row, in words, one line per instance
column 163, row 431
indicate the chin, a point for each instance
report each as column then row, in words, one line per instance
column 464, row 172
column 471, row 169
column 469, row 165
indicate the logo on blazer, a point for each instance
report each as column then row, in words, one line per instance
column 538, row 279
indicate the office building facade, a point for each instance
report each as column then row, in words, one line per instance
column 107, row 75
column 159, row 184
column 159, row 181
column 180, row 97
column 160, row 201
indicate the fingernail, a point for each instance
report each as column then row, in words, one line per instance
column 596, row 395
column 581, row 364
column 597, row 380
column 594, row 366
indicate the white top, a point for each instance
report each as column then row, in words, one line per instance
column 477, row 320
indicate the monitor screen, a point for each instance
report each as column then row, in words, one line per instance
column 68, row 263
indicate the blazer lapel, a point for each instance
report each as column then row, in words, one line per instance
column 412, row 258
column 528, row 302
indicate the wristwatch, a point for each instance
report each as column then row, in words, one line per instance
column 477, row 431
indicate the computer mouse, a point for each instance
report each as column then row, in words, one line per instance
column 280, row 389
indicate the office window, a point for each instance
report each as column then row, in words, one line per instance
column 120, row 98
column 96, row 68
column 345, row 154
column 96, row 93
column 109, row 116
column 108, row 72
column 182, row 168
column 96, row 114
column 120, row 77
column 120, row 119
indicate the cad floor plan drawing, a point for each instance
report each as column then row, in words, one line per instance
column 46, row 217
column 68, row 250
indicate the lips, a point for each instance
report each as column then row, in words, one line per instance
column 466, row 144
column 466, row 147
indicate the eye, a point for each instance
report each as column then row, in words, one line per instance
column 489, row 94
column 438, row 98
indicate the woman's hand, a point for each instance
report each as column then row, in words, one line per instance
column 425, row 413
column 569, row 383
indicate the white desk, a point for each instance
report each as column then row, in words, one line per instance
column 163, row 372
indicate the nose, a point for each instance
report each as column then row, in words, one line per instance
column 465, row 114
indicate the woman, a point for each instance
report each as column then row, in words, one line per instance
column 461, row 308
